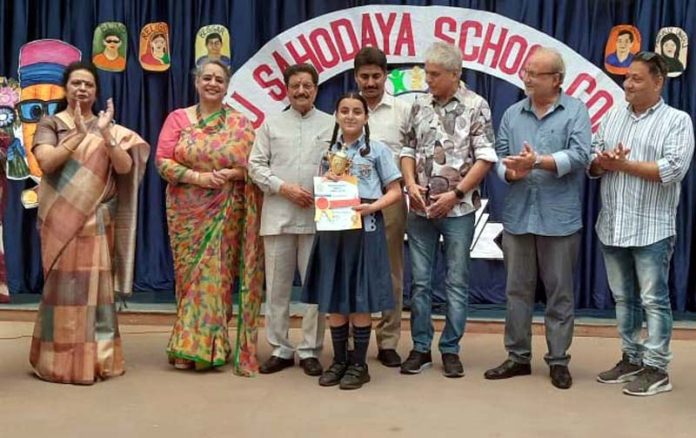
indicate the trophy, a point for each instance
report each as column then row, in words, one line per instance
column 339, row 163
column 436, row 186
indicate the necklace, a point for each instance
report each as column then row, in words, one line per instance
column 221, row 115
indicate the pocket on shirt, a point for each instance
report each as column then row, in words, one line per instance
column 553, row 141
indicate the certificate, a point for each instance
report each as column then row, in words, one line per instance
column 334, row 202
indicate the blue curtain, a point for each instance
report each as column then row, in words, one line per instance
column 143, row 100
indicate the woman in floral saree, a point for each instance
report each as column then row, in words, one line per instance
column 213, row 214
column 87, row 215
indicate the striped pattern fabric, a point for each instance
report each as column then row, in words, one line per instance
column 76, row 338
column 635, row 211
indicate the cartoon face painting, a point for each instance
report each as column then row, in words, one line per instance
column 109, row 46
column 41, row 66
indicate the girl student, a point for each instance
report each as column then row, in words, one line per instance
column 348, row 274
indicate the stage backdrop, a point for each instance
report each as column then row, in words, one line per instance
column 495, row 37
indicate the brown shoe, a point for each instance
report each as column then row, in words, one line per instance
column 275, row 364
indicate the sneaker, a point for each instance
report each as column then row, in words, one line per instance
column 333, row 375
column 355, row 377
column 416, row 362
column 452, row 365
column 649, row 381
column 623, row 372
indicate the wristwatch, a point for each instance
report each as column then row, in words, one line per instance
column 458, row 193
column 537, row 162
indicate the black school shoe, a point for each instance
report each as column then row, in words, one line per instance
column 333, row 375
column 355, row 377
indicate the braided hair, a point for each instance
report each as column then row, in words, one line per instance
column 352, row 95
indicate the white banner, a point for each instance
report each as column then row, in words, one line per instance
column 490, row 43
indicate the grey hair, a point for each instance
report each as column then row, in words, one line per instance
column 199, row 69
column 557, row 64
column 445, row 55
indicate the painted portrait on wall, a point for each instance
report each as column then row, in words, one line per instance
column 622, row 45
column 213, row 42
column 109, row 46
column 673, row 44
column 154, row 47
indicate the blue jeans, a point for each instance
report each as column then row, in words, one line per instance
column 638, row 278
column 423, row 243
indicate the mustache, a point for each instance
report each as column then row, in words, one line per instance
column 297, row 96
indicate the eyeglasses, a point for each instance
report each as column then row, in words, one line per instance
column 112, row 41
column 31, row 111
column 305, row 85
column 536, row 74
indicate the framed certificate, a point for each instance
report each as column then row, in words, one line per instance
column 334, row 202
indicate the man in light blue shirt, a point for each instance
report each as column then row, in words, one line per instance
column 544, row 144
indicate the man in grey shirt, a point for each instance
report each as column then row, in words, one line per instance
column 286, row 155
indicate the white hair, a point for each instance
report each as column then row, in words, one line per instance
column 445, row 55
column 557, row 64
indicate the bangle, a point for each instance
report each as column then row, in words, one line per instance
column 196, row 177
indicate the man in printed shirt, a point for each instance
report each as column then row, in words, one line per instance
column 636, row 225
column 285, row 157
column 443, row 199
column 388, row 118
column 544, row 144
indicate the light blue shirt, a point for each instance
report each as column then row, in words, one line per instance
column 375, row 171
column 546, row 203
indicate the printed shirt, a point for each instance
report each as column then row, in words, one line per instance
column 446, row 140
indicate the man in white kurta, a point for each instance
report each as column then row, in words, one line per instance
column 286, row 155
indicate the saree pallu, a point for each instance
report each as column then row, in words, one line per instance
column 76, row 337
column 214, row 240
